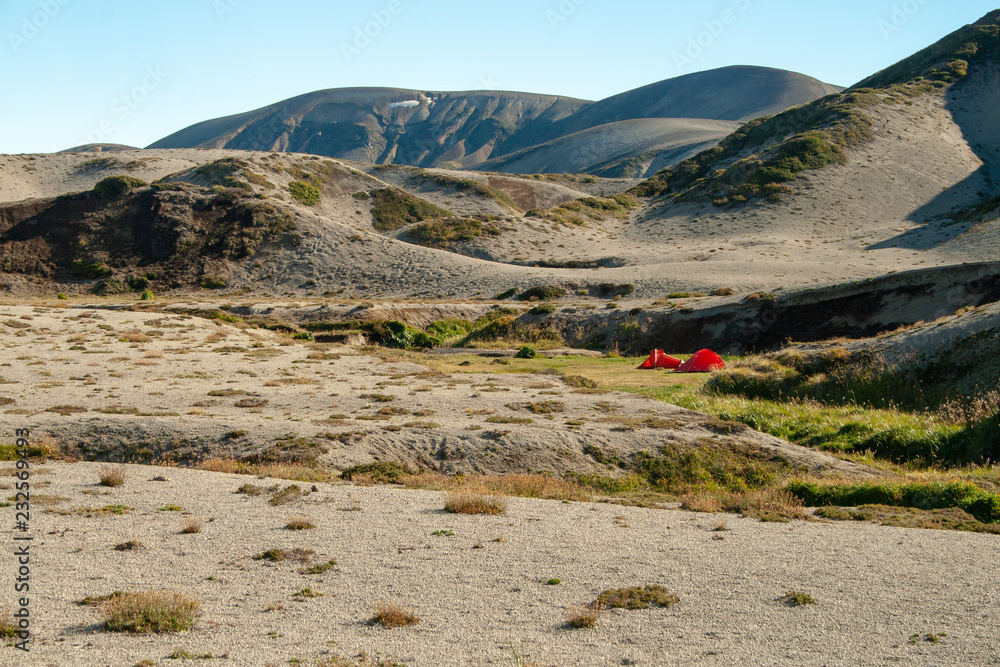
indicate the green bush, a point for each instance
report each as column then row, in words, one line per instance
column 137, row 283
column 304, row 193
column 114, row 187
column 212, row 282
column 445, row 233
column 82, row 267
column 526, row 353
column 147, row 295
column 542, row 293
column 381, row 472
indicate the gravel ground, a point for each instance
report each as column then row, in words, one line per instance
column 875, row 587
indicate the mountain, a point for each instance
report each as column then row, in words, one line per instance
column 468, row 129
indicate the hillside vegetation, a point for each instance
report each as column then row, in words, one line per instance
column 759, row 160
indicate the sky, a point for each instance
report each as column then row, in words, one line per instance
column 131, row 72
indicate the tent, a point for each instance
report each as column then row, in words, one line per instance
column 658, row 359
column 702, row 361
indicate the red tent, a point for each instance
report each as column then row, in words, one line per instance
column 658, row 359
column 702, row 361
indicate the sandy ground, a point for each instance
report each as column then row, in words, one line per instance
column 140, row 386
column 875, row 587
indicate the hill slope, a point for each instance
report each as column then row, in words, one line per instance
column 465, row 129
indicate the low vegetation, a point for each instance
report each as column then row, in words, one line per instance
column 393, row 208
column 446, row 233
column 393, row 616
column 150, row 611
column 463, row 502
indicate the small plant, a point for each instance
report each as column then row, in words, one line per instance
column 169, row 508
column 212, row 282
column 463, row 502
column 797, row 598
column 279, row 555
column 319, row 568
column 583, row 617
column 444, row 533
column 147, row 295
column 636, row 598
column 289, row 494
column 191, row 525
column 112, row 475
column 131, row 545
column 928, row 637
column 299, row 522
column 8, row 628
column 150, row 611
column 393, row 616
column 307, row 593
column 553, row 582
column 526, row 353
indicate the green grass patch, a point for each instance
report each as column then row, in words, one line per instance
column 445, row 233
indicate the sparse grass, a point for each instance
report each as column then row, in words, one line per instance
column 462, row 502
column 378, row 472
column 446, row 233
column 131, row 545
column 150, row 611
column 582, row 617
column 8, row 628
column 393, row 616
column 794, row 598
column 319, row 568
column 299, row 522
column 190, row 525
column 110, row 475
column 279, row 555
column 289, row 494
column 635, row 598
column 307, row 593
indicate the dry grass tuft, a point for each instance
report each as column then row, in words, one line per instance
column 393, row 616
column 191, row 525
column 464, row 502
column 279, row 555
column 299, row 522
column 582, row 617
column 150, row 611
column 8, row 628
column 112, row 475
column 763, row 504
column 523, row 486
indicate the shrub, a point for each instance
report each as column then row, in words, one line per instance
column 304, row 193
column 299, row 522
column 393, row 616
column 150, row 611
column 114, row 187
column 542, row 293
column 82, row 267
column 506, row 294
column 526, row 353
column 147, row 295
column 112, row 475
column 544, row 309
column 212, row 282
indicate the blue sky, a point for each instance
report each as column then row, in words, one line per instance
column 131, row 72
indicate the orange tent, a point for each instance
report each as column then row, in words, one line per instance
column 658, row 359
column 702, row 361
